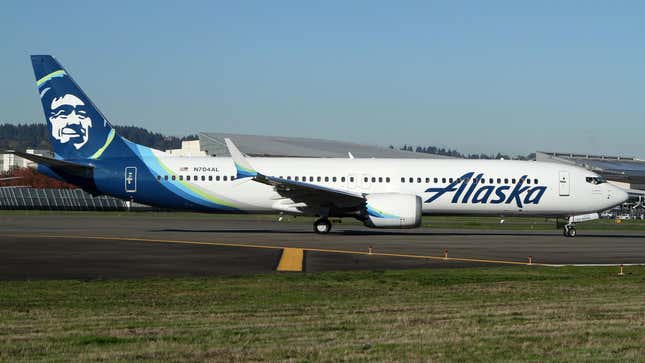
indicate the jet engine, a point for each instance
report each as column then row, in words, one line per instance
column 392, row 210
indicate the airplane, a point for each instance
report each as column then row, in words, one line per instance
column 381, row 193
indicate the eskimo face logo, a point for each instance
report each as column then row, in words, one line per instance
column 70, row 121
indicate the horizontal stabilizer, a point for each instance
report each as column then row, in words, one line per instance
column 79, row 170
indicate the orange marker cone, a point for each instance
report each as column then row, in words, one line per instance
column 621, row 273
column 530, row 260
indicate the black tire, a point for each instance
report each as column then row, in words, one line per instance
column 322, row 226
column 572, row 232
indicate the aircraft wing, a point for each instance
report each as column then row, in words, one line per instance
column 300, row 192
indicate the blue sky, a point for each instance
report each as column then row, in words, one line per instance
column 488, row 76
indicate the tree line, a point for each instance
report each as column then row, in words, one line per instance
column 456, row 154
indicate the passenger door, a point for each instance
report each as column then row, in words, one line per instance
column 564, row 184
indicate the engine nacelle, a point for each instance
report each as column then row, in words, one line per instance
column 392, row 210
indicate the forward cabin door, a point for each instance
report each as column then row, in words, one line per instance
column 564, row 184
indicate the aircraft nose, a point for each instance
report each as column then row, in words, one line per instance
column 618, row 195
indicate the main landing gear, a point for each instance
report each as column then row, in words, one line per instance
column 322, row 226
column 569, row 230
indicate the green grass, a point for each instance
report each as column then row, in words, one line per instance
column 452, row 222
column 463, row 314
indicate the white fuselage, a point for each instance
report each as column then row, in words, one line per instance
column 493, row 188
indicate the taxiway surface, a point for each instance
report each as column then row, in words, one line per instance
column 90, row 246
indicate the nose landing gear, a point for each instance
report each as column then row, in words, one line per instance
column 569, row 230
column 322, row 226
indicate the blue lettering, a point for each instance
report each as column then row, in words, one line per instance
column 500, row 194
column 538, row 191
column 483, row 194
column 473, row 185
column 450, row 188
column 465, row 187
column 517, row 191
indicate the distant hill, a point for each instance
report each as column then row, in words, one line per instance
column 23, row 136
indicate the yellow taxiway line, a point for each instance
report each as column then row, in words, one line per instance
column 243, row 245
column 291, row 260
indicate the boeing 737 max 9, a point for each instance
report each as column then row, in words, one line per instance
column 382, row 193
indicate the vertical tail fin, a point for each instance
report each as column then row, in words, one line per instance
column 77, row 129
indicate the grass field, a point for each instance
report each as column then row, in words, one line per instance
column 469, row 314
column 445, row 222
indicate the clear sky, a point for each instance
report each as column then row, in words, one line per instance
column 479, row 76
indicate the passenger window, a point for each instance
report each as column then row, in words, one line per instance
column 483, row 180
column 188, row 177
column 402, row 180
column 505, row 180
column 418, row 180
column 366, row 179
column 232, row 177
column 204, row 177
column 380, row 179
column 318, row 179
column 436, row 180
column 535, row 181
column 411, row 180
column 513, row 181
column 224, row 177
column 490, row 181
column 210, row 178
column 450, row 180
column 181, row 177
column 297, row 178
column 443, row 180
column 289, row 177
column 311, row 178
column 499, row 181
column 165, row 177
column 342, row 179
column 373, row 179
column 217, row 178
column 427, row 180
column 351, row 179
column 173, row 177
column 333, row 179
column 326, row 179
column 387, row 179
column 528, row 181
column 304, row 178
column 158, row 177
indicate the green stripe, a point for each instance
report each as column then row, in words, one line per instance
column 100, row 151
column 195, row 189
column 50, row 76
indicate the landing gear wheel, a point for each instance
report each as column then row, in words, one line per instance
column 322, row 226
column 569, row 231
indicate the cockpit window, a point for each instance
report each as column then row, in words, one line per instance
column 595, row 180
